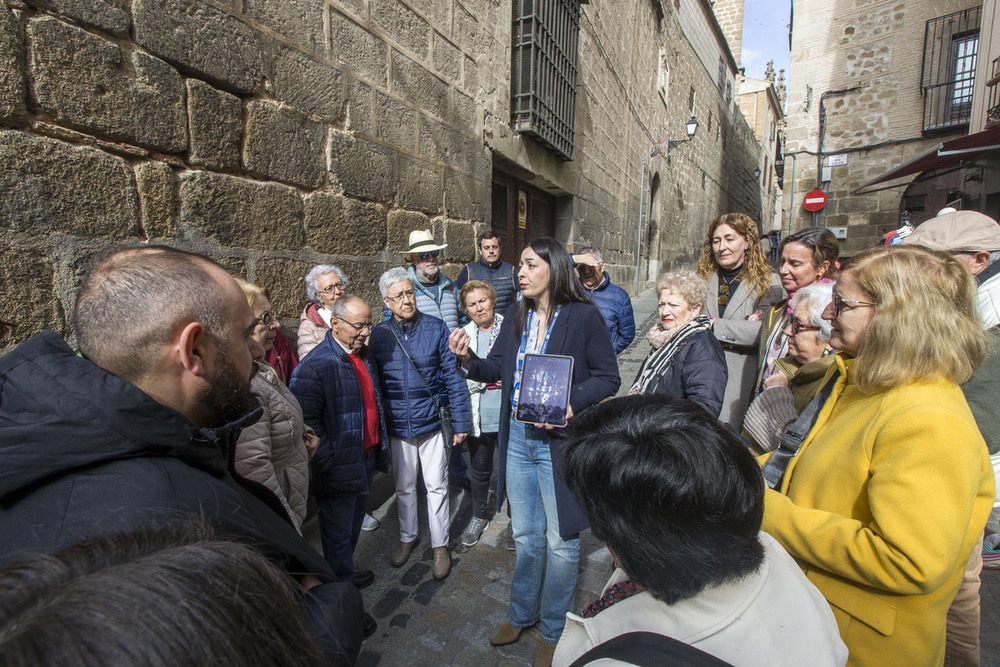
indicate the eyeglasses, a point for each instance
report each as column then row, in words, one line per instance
column 839, row 302
column 797, row 326
column 424, row 256
column 335, row 287
column 405, row 294
column 265, row 319
column 357, row 326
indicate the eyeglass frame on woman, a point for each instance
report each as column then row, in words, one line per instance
column 405, row 293
column 357, row 326
column 839, row 301
column 797, row 326
column 335, row 287
column 424, row 256
column 265, row 318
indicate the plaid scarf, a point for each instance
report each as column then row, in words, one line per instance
column 659, row 360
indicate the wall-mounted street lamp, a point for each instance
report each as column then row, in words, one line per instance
column 756, row 173
column 691, row 127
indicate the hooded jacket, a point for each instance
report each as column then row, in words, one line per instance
column 616, row 308
column 85, row 453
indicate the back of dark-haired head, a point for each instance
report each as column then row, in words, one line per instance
column 173, row 596
column 674, row 494
column 564, row 285
column 821, row 242
column 132, row 299
column 488, row 234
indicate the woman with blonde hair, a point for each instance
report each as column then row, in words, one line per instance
column 741, row 287
column 276, row 450
column 685, row 359
column 885, row 496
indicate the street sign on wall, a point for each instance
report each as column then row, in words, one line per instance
column 814, row 200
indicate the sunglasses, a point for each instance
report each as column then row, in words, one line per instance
column 424, row 256
column 265, row 319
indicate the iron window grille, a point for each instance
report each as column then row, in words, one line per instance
column 951, row 45
column 546, row 34
column 993, row 110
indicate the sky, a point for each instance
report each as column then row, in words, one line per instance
column 765, row 36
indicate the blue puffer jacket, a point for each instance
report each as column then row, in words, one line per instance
column 409, row 407
column 501, row 275
column 616, row 307
column 329, row 392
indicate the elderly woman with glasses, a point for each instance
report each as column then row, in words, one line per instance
column 276, row 450
column 884, row 497
column 797, row 377
column 325, row 283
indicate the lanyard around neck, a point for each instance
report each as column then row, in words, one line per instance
column 523, row 348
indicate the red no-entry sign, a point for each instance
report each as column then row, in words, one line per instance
column 814, row 200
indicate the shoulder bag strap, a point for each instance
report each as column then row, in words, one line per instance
column 649, row 649
column 774, row 469
column 419, row 374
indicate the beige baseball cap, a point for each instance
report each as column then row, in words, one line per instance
column 957, row 231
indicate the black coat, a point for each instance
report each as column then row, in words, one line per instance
column 579, row 332
column 83, row 453
column 697, row 372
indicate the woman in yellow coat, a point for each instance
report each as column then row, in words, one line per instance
column 889, row 490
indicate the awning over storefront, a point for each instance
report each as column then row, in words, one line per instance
column 946, row 154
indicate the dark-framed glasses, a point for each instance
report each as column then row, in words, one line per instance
column 424, row 256
column 797, row 326
column 357, row 326
column 405, row 294
column 839, row 303
column 265, row 318
column 335, row 287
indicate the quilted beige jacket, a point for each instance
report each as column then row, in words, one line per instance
column 273, row 451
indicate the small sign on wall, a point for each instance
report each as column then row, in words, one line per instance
column 837, row 160
column 522, row 209
column 839, row 232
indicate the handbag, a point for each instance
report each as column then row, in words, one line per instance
column 444, row 411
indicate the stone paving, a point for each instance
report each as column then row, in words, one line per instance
column 427, row 622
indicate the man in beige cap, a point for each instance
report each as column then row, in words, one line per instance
column 974, row 239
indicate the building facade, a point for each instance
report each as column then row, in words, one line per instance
column 873, row 86
column 277, row 135
column 759, row 102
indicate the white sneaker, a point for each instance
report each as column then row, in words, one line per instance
column 370, row 523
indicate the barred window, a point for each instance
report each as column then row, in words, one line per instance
column 951, row 45
column 544, row 65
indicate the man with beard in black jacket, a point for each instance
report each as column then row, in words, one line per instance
column 139, row 430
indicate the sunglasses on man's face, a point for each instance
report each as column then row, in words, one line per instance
column 424, row 256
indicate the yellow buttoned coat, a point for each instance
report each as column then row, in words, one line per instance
column 882, row 507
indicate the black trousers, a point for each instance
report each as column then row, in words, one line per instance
column 481, row 451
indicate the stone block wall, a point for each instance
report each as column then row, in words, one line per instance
column 276, row 135
column 269, row 135
column 868, row 56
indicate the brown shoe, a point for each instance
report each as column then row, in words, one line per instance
column 506, row 634
column 442, row 563
column 543, row 654
column 401, row 553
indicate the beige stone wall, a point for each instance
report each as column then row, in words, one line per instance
column 730, row 16
column 876, row 47
column 277, row 135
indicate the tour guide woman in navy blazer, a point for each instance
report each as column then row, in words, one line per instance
column 556, row 316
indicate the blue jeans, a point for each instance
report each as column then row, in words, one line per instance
column 340, row 518
column 544, row 582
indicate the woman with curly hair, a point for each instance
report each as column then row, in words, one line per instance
column 741, row 287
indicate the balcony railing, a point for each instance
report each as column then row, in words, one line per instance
column 951, row 45
column 993, row 110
